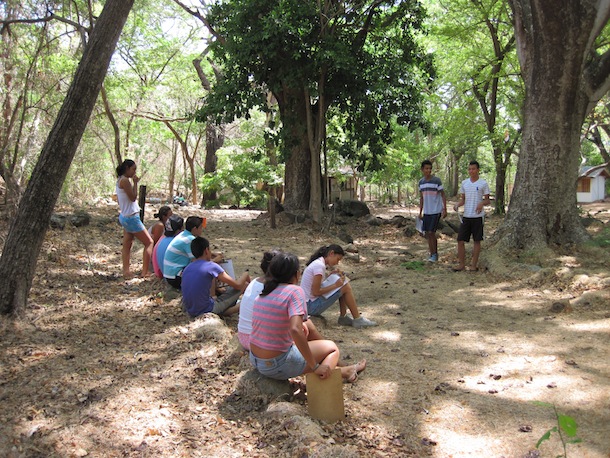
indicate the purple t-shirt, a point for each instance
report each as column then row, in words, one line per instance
column 197, row 280
column 271, row 317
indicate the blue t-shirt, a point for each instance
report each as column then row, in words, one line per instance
column 161, row 247
column 178, row 255
column 196, row 284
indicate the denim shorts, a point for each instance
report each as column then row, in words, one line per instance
column 132, row 223
column 320, row 304
column 282, row 367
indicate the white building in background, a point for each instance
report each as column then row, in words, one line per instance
column 591, row 184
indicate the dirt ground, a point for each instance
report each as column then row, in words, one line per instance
column 103, row 367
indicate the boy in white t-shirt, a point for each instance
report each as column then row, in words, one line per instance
column 474, row 195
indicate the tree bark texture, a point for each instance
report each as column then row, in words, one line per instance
column 27, row 231
column 554, row 44
column 296, row 145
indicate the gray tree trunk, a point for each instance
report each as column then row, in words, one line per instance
column 297, row 181
column 563, row 81
column 27, row 231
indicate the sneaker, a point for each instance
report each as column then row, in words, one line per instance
column 345, row 320
column 362, row 322
column 433, row 257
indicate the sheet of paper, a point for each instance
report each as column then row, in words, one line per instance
column 227, row 265
column 419, row 225
column 331, row 279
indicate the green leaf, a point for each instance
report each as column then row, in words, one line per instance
column 567, row 424
column 545, row 437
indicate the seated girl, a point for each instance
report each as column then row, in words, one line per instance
column 321, row 296
column 279, row 348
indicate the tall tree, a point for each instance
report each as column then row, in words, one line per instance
column 476, row 42
column 359, row 56
column 564, row 78
column 28, row 228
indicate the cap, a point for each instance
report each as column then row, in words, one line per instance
column 173, row 224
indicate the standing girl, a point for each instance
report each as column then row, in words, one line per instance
column 129, row 217
column 321, row 296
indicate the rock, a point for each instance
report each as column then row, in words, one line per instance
column 80, row 219
column 561, row 306
column 353, row 208
column 253, row 384
column 373, row 220
column 344, row 236
column 410, row 231
column 211, row 327
column 57, row 221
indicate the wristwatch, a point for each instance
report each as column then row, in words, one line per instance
column 315, row 367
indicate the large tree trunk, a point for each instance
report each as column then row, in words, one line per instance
column 554, row 41
column 27, row 231
column 214, row 139
column 296, row 144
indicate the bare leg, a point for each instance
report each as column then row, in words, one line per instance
column 126, row 253
column 146, row 239
column 432, row 242
column 476, row 250
column 326, row 351
column 461, row 255
column 348, row 301
column 314, row 334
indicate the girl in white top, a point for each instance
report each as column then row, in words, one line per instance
column 127, row 195
column 320, row 297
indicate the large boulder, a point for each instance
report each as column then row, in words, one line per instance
column 353, row 208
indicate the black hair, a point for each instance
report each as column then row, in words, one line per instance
column 283, row 267
column 198, row 246
column 192, row 222
column 163, row 212
column 324, row 250
column 121, row 169
column 267, row 257
column 474, row 163
column 426, row 162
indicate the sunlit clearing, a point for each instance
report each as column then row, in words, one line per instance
column 386, row 336
column 385, row 392
column 591, row 326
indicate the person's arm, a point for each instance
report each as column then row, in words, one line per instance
column 318, row 290
column 300, row 340
column 157, row 232
column 240, row 284
column 444, row 213
column 486, row 201
column 130, row 189
column 460, row 203
column 421, row 203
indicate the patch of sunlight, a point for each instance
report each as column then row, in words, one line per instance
column 455, row 426
column 386, row 336
column 383, row 391
column 590, row 326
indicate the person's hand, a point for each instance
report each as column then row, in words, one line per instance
column 135, row 179
column 455, row 207
column 444, row 213
column 323, row 371
column 340, row 280
column 305, row 330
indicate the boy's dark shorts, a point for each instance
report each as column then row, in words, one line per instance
column 430, row 222
column 471, row 226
